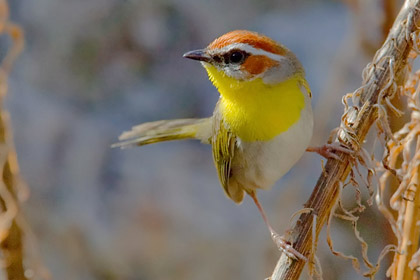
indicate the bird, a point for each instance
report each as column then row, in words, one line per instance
column 262, row 123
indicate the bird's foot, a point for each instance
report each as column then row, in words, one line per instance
column 328, row 150
column 286, row 247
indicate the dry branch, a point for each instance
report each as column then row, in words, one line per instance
column 402, row 158
column 10, row 231
column 378, row 84
column 409, row 242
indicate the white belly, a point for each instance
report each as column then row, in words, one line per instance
column 260, row 164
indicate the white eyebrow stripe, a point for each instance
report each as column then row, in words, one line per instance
column 250, row 49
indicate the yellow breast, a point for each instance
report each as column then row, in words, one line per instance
column 256, row 111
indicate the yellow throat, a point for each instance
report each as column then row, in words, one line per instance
column 256, row 111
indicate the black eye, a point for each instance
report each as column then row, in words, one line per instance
column 236, row 57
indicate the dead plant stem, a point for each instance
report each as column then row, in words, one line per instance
column 411, row 230
column 378, row 84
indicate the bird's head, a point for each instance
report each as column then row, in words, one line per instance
column 240, row 56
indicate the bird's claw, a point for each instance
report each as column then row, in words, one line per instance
column 287, row 248
column 328, row 150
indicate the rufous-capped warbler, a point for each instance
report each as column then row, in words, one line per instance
column 262, row 123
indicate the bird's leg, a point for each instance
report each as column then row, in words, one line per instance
column 328, row 150
column 279, row 240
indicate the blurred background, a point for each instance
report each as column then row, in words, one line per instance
column 93, row 68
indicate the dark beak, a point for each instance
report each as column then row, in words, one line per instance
column 200, row 55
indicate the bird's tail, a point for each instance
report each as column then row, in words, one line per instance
column 166, row 130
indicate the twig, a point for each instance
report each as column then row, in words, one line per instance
column 11, row 238
column 402, row 159
column 389, row 60
column 409, row 242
